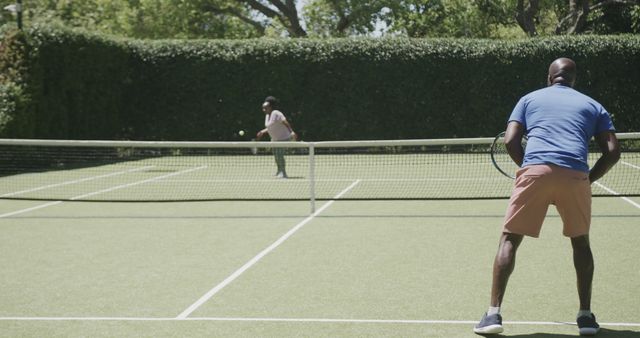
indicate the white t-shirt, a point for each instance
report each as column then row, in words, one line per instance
column 276, row 127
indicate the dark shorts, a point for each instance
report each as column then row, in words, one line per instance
column 538, row 186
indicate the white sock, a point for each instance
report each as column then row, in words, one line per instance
column 493, row 310
column 584, row 313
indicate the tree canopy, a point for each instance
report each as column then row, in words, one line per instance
column 237, row 19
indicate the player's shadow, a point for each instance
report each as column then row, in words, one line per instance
column 603, row 333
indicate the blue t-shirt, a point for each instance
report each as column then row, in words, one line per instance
column 559, row 122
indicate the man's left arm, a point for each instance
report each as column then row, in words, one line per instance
column 608, row 143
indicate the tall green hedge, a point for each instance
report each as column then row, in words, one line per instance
column 85, row 86
column 14, row 96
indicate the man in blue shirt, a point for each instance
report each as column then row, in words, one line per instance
column 559, row 122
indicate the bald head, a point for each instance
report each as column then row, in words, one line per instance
column 562, row 71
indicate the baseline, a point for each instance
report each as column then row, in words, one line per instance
column 302, row 320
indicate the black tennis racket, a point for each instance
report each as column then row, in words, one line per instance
column 500, row 157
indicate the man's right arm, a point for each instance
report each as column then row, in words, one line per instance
column 608, row 143
column 513, row 141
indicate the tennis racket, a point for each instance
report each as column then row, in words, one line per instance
column 500, row 156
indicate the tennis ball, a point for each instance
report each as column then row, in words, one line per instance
column 241, row 133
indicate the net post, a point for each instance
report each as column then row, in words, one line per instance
column 312, row 178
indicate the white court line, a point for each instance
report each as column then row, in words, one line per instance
column 100, row 192
column 631, row 165
column 435, row 179
column 301, row 320
column 21, row 211
column 259, row 256
column 138, row 182
column 76, row 181
column 611, row 191
column 626, row 199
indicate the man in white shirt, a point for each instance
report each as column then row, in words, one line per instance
column 279, row 129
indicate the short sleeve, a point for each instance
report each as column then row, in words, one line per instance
column 278, row 116
column 604, row 122
column 518, row 113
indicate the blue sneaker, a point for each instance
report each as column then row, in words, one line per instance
column 588, row 325
column 489, row 324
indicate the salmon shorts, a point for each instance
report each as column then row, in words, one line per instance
column 536, row 187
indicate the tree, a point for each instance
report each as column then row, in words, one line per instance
column 582, row 16
column 322, row 17
column 345, row 17
column 547, row 17
column 250, row 12
column 526, row 15
column 140, row 18
column 448, row 18
column 155, row 19
column 213, row 18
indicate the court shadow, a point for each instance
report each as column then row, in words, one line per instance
column 603, row 333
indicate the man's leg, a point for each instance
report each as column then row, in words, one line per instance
column 583, row 262
column 503, row 266
column 525, row 214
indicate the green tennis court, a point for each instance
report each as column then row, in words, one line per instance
column 355, row 268
column 373, row 266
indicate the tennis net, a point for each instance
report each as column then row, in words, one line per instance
column 209, row 171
